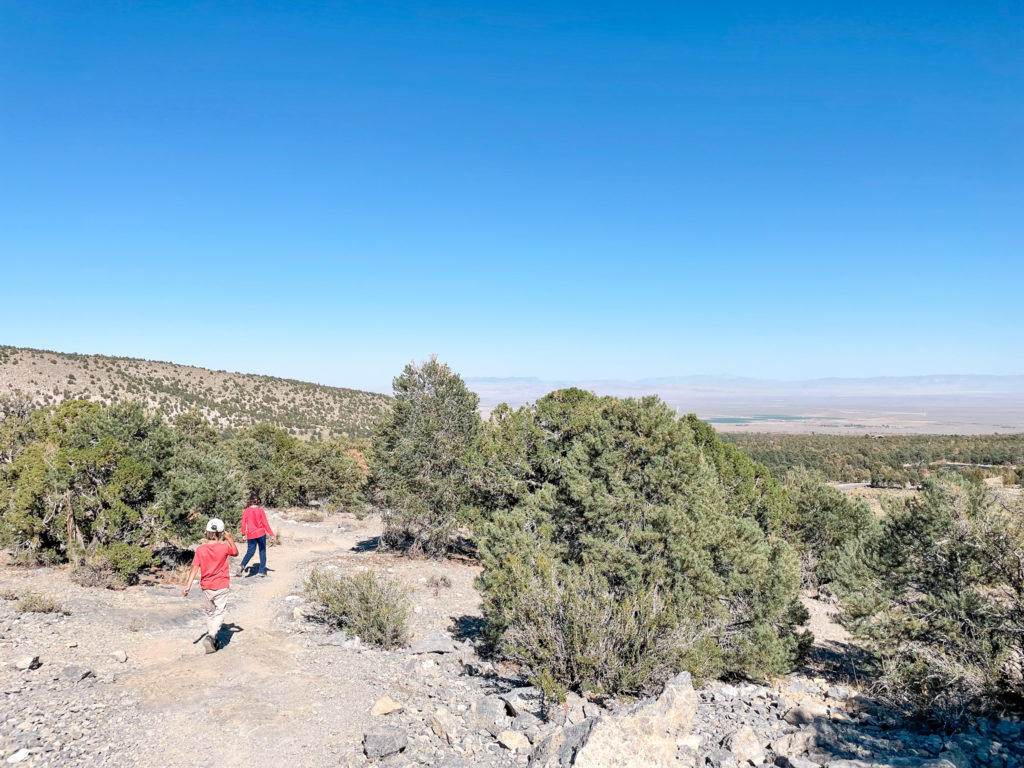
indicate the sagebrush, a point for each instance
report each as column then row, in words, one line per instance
column 374, row 608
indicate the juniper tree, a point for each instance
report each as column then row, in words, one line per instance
column 936, row 593
column 614, row 553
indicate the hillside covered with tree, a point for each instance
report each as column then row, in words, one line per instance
column 230, row 401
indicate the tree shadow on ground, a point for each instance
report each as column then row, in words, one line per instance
column 838, row 663
column 468, row 628
column 371, row 544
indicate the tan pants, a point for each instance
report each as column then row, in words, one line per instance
column 216, row 602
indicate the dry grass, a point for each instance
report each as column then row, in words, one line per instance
column 878, row 497
column 33, row 602
column 305, row 515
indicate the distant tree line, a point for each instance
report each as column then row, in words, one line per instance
column 888, row 461
column 108, row 485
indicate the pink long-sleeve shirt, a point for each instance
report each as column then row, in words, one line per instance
column 254, row 523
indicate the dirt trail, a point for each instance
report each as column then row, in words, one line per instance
column 256, row 691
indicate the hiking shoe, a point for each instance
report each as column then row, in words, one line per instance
column 240, row 572
column 263, row 575
column 209, row 644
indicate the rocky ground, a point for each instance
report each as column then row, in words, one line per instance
column 121, row 680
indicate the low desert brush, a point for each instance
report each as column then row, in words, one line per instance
column 33, row 602
column 375, row 609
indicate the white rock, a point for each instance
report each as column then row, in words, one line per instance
column 27, row 662
column 745, row 746
column 444, row 725
column 514, row 742
column 806, row 713
column 643, row 737
column 17, row 757
column 690, row 741
column 119, row 656
column 385, row 705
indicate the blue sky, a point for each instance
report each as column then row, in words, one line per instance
column 567, row 190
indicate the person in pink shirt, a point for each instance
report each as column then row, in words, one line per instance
column 255, row 529
column 211, row 560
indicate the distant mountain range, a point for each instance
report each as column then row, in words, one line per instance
column 941, row 404
column 882, row 405
column 228, row 400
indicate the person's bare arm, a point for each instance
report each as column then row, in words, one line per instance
column 191, row 578
column 234, row 547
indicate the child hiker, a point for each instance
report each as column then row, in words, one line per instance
column 255, row 529
column 211, row 559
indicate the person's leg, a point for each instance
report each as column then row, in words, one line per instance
column 249, row 552
column 210, row 608
column 263, row 554
column 217, row 600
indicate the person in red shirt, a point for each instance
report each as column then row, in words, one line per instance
column 211, row 559
column 255, row 529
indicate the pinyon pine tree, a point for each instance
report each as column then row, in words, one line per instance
column 421, row 452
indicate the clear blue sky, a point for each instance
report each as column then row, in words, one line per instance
column 565, row 190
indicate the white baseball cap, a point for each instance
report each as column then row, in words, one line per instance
column 216, row 525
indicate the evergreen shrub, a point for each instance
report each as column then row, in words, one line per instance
column 936, row 593
column 421, row 459
column 619, row 549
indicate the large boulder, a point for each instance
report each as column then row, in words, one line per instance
column 641, row 736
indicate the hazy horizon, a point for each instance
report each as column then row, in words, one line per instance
column 939, row 403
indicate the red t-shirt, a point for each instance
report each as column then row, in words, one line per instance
column 254, row 523
column 212, row 560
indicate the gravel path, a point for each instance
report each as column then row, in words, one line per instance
column 272, row 694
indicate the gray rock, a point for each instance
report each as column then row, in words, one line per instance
column 492, row 709
column 519, row 700
column 382, row 742
column 76, row 674
column 436, row 642
column 790, row 761
column 721, row 758
column 806, row 713
column 525, row 721
column 839, row 693
column 796, row 743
